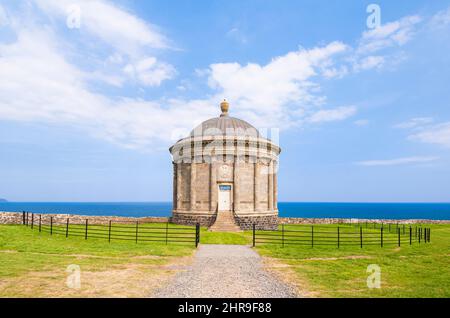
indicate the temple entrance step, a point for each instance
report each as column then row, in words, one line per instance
column 225, row 223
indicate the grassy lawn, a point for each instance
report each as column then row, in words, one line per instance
column 407, row 271
column 34, row 265
column 241, row 238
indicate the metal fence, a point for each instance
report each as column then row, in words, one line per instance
column 114, row 230
column 343, row 235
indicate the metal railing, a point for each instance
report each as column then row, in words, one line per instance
column 316, row 235
column 114, row 230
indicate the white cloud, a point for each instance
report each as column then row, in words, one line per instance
column 417, row 122
column 441, row 19
column 361, row 122
column 237, row 35
column 131, row 41
column 4, row 19
column 398, row 161
column 336, row 114
column 435, row 134
column 109, row 23
column 40, row 82
column 395, row 33
column 368, row 63
column 149, row 71
column 424, row 130
column 275, row 92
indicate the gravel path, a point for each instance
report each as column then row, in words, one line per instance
column 226, row 271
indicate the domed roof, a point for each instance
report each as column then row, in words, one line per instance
column 224, row 125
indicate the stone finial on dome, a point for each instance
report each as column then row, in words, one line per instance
column 224, row 106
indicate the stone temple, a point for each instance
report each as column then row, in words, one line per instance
column 225, row 176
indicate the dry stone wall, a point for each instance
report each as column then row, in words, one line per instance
column 267, row 222
column 283, row 220
column 17, row 218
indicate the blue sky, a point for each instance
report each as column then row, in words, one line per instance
column 92, row 94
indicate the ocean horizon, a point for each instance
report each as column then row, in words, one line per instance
column 433, row 211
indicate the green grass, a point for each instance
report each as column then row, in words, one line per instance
column 407, row 271
column 33, row 264
column 241, row 238
column 26, row 254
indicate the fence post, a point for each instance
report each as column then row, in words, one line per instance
column 51, row 225
column 419, row 234
column 282, row 235
column 197, row 234
column 40, row 221
column 381, row 233
column 425, row 235
column 109, row 232
column 137, row 226
column 410, row 235
column 67, row 228
column 27, row 218
column 312, row 235
column 398, row 232
column 361, row 236
column 86, row 231
column 32, row 220
column 338, row 237
column 23, row 217
column 167, row 232
column 254, row 243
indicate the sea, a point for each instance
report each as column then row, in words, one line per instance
column 435, row 211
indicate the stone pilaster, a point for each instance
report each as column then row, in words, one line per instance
column 212, row 187
column 275, row 187
column 256, row 184
column 174, row 186
column 270, row 183
column 179, row 194
column 192, row 187
column 237, row 186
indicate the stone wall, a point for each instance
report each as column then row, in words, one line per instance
column 193, row 219
column 264, row 222
column 342, row 220
column 11, row 218
column 245, row 222
column 17, row 218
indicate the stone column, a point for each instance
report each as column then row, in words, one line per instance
column 212, row 187
column 174, row 186
column 237, row 186
column 270, row 183
column 256, row 184
column 179, row 197
column 275, row 186
column 192, row 189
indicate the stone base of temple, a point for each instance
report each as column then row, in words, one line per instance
column 267, row 220
column 192, row 218
column 262, row 222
